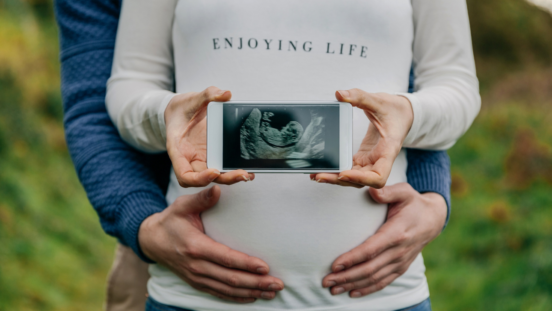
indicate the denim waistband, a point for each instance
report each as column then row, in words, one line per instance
column 152, row 305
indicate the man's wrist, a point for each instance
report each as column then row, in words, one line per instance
column 429, row 171
column 146, row 233
column 439, row 208
column 133, row 210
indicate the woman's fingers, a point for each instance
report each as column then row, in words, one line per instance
column 198, row 179
column 360, row 99
column 326, row 178
column 197, row 102
column 364, row 177
column 372, row 168
column 201, row 176
column 233, row 177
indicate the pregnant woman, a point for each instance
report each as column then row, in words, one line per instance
column 294, row 50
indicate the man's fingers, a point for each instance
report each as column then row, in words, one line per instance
column 360, row 99
column 357, row 293
column 225, row 256
column 391, row 194
column 238, row 278
column 326, row 178
column 230, row 291
column 199, row 202
column 233, row 177
column 369, row 280
column 225, row 297
column 368, row 250
column 365, row 269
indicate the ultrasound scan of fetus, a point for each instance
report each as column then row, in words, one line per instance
column 264, row 136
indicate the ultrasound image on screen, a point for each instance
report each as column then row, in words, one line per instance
column 281, row 136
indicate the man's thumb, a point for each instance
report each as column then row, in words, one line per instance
column 391, row 194
column 199, row 202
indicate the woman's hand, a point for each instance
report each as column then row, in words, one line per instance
column 187, row 139
column 175, row 239
column 413, row 220
column 391, row 117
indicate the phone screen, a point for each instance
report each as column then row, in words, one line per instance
column 280, row 136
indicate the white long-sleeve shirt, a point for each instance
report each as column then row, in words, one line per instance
column 294, row 50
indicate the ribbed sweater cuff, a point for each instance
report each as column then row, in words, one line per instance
column 427, row 177
column 133, row 210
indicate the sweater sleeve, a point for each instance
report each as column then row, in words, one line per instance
column 142, row 78
column 124, row 186
column 447, row 98
column 429, row 171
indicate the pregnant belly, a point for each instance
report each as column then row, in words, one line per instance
column 297, row 226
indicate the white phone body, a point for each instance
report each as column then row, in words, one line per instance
column 243, row 137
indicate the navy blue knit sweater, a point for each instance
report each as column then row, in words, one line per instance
column 123, row 185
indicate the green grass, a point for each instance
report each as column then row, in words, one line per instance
column 496, row 253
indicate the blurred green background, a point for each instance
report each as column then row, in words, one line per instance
column 496, row 253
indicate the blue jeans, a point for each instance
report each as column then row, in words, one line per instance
column 152, row 305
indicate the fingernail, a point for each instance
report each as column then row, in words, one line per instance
column 338, row 290
column 355, row 294
column 344, row 94
column 274, row 287
column 320, row 181
column 219, row 93
column 214, row 175
column 242, row 178
column 266, row 295
column 339, row 268
column 343, row 178
column 262, row 271
column 331, row 284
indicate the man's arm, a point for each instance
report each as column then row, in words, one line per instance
column 124, row 186
column 429, row 171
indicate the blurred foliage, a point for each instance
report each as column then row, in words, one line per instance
column 496, row 253
column 53, row 253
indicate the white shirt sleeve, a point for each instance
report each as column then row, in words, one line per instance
column 447, row 98
column 142, row 77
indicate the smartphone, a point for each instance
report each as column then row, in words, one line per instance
column 280, row 137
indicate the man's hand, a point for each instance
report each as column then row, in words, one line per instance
column 187, row 139
column 391, row 117
column 413, row 220
column 175, row 239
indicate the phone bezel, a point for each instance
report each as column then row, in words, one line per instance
column 215, row 134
